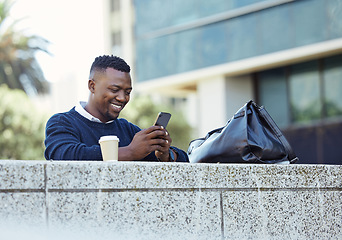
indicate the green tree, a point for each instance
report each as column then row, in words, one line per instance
column 18, row 66
column 21, row 126
column 142, row 111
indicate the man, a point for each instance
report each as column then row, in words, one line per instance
column 74, row 135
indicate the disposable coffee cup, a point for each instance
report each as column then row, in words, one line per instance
column 109, row 148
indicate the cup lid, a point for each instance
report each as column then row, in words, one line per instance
column 109, row 138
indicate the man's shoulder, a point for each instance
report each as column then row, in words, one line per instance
column 64, row 116
column 124, row 122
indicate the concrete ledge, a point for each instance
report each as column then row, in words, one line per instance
column 135, row 200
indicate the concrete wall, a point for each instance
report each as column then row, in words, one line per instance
column 99, row 200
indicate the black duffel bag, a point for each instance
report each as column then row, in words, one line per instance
column 250, row 136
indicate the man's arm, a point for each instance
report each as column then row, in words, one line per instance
column 143, row 144
column 63, row 143
column 181, row 155
column 163, row 153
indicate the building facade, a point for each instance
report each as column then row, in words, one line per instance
column 284, row 54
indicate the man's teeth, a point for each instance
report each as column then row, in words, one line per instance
column 116, row 106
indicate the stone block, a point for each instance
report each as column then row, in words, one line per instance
column 19, row 174
column 23, row 208
column 289, row 214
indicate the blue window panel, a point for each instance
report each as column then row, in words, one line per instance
column 334, row 16
column 304, row 91
column 213, row 44
column 278, row 28
column 242, row 35
column 153, row 62
column 273, row 95
column 145, row 60
column 186, row 48
column 152, row 15
column 243, row 3
column 207, row 8
column 184, row 11
column 167, row 55
column 332, row 76
column 309, row 21
column 275, row 29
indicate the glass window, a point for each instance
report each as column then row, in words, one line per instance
column 152, row 15
column 143, row 70
column 242, row 35
column 285, row 26
column 332, row 78
column 334, row 16
column 304, row 92
column 213, row 44
column 153, row 64
column 309, row 21
column 207, row 8
column 243, row 3
column 187, row 50
column 313, row 90
column 183, row 11
column 272, row 92
column 276, row 32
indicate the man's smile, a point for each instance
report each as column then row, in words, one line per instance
column 117, row 107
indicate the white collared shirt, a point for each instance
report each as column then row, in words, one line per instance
column 80, row 109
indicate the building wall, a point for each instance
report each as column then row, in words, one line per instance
column 119, row 20
column 185, row 37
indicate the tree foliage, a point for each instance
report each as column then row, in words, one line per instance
column 21, row 126
column 142, row 111
column 18, row 66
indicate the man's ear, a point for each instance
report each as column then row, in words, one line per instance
column 91, row 85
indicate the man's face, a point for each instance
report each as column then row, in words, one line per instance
column 111, row 92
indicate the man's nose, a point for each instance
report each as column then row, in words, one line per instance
column 121, row 96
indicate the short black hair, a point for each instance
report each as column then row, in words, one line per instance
column 101, row 63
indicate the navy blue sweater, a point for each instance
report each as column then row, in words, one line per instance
column 70, row 136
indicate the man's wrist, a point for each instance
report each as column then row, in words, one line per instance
column 173, row 154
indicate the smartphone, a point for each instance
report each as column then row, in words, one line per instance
column 163, row 119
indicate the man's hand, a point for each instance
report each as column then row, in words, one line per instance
column 148, row 140
column 163, row 153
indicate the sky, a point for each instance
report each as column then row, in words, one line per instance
column 74, row 29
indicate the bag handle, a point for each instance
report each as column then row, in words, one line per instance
column 292, row 156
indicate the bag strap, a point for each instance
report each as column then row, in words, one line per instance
column 291, row 155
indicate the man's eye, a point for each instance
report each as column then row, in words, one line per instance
column 114, row 90
column 128, row 93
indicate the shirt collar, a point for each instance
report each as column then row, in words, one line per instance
column 80, row 108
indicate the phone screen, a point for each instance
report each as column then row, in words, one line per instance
column 162, row 119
